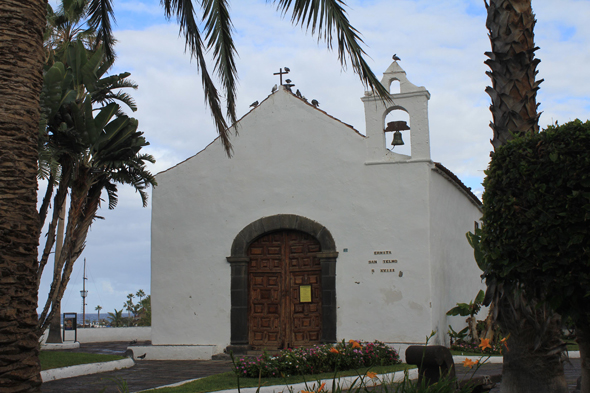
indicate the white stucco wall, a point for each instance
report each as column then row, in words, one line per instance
column 291, row 158
column 455, row 274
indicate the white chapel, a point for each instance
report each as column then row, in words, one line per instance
column 311, row 233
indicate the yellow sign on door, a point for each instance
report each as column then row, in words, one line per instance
column 305, row 294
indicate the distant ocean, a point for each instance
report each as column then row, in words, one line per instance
column 91, row 317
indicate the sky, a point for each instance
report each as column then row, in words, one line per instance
column 441, row 45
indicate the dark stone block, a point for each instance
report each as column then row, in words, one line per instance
column 236, row 350
column 239, row 283
column 328, row 268
column 433, row 361
column 329, row 283
column 239, row 298
column 329, row 298
column 328, row 323
column 306, row 225
column 239, row 269
column 326, row 240
column 239, row 246
column 239, row 326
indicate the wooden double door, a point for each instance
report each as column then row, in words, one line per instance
column 284, row 290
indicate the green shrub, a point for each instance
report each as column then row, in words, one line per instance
column 318, row 359
column 536, row 221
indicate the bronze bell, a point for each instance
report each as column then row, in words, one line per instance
column 397, row 139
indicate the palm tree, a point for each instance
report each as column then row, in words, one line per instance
column 532, row 364
column 140, row 294
column 65, row 26
column 98, row 308
column 21, row 78
column 513, row 69
column 21, row 64
column 129, row 307
column 94, row 152
column 116, row 318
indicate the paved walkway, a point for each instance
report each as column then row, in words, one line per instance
column 148, row 374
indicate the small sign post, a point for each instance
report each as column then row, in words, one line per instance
column 70, row 323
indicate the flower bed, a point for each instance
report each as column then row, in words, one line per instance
column 485, row 347
column 318, row 359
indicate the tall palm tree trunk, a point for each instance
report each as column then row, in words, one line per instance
column 583, row 340
column 54, row 335
column 21, row 61
column 529, row 365
column 532, row 357
column 513, row 69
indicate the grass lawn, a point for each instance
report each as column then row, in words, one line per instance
column 572, row 345
column 56, row 359
column 228, row 380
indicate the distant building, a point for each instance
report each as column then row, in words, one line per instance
column 310, row 233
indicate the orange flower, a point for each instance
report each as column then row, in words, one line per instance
column 334, row 350
column 322, row 386
column 503, row 341
column 469, row 363
column 485, row 343
column 355, row 344
column 371, row 374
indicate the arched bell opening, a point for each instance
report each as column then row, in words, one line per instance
column 397, row 131
column 394, row 86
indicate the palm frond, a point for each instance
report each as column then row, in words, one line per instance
column 112, row 194
column 218, row 29
column 100, row 13
column 185, row 14
column 326, row 17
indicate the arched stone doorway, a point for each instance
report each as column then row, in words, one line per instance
column 249, row 326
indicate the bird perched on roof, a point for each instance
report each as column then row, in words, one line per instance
column 254, row 104
column 288, row 80
column 395, row 57
column 274, row 88
column 142, row 356
column 288, row 86
column 287, row 69
column 315, row 103
column 298, row 93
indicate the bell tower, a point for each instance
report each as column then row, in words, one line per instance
column 411, row 99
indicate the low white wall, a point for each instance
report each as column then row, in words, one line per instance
column 93, row 335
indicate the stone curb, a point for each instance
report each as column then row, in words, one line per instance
column 498, row 359
column 60, row 346
column 344, row 382
column 85, row 369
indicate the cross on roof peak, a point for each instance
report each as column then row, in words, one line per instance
column 281, row 73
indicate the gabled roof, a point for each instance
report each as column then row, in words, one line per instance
column 236, row 124
column 450, row 176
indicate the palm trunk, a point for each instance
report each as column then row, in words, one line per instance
column 21, row 61
column 532, row 359
column 55, row 335
column 533, row 362
column 583, row 340
column 513, row 69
